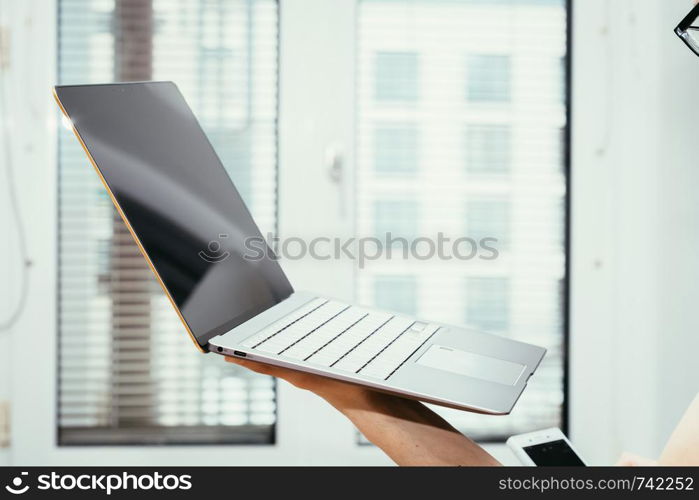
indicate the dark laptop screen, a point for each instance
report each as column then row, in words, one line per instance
column 179, row 200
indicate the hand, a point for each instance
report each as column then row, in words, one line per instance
column 406, row 430
column 339, row 394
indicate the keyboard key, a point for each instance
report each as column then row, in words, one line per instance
column 315, row 341
column 303, row 327
column 287, row 320
column 388, row 360
column 353, row 339
column 350, row 339
column 364, row 352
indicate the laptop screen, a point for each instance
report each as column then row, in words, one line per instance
column 179, row 201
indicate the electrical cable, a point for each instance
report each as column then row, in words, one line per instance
column 25, row 263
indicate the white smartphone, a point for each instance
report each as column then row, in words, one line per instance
column 549, row 447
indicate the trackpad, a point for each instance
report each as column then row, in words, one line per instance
column 472, row 365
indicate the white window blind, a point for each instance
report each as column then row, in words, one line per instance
column 460, row 113
column 128, row 373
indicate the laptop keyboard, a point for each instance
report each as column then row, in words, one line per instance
column 349, row 338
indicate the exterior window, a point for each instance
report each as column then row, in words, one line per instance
column 488, row 149
column 488, row 78
column 396, row 149
column 489, row 218
column 398, row 217
column 488, row 304
column 396, row 76
column 396, row 293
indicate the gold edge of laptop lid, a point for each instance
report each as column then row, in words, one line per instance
column 128, row 224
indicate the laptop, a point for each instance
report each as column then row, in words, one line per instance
column 195, row 232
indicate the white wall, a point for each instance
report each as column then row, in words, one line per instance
column 31, row 116
column 635, row 243
column 678, row 235
column 636, row 222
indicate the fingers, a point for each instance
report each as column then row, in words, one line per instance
column 297, row 378
column 265, row 369
column 255, row 366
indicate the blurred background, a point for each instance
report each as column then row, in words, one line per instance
column 565, row 129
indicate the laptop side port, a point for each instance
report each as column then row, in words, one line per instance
column 239, row 353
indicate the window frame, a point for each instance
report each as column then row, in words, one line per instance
column 566, row 159
column 126, row 50
column 567, row 208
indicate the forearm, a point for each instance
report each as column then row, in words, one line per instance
column 407, row 431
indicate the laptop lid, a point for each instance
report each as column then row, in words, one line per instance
column 178, row 201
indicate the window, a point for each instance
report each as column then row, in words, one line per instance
column 396, row 149
column 488, row 304
column 398, row 217
column 489, row 113
column 396, row 76
column 395, row 293
column 128, row 373
column 488, row 78
column 488, row 149
column 489, row 218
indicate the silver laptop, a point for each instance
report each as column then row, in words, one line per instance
column 199, row 238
